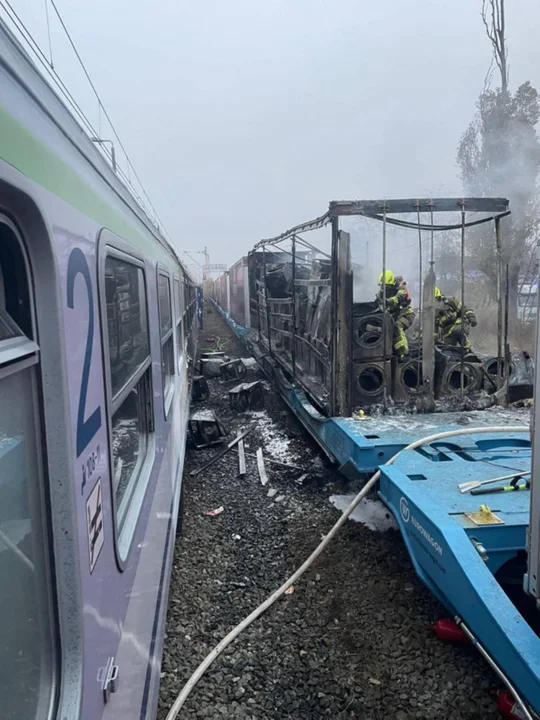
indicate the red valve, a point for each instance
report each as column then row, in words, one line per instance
column 449, row 631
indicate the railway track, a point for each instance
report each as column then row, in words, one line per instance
column 351, row 641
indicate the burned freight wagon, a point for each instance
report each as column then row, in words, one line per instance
column 323, row 307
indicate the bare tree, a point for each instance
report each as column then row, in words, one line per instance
column 494, row 22
column 499, row 154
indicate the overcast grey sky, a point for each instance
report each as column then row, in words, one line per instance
column 245, row 117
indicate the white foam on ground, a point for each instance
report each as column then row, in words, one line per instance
column 274, row 442
column 431, row 422
column 372, row 513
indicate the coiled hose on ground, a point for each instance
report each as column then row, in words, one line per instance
column 233, row 634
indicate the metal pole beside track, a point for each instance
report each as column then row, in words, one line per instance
column 293, row 348
column 384, row 307
column 462, row 376
column 506, row 345
column 498, row 242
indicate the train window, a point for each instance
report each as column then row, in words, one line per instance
column 129, row 345
column 167, row 341
column 179, row 322
column 14, row 292
column 130, row 375
column 27, row 658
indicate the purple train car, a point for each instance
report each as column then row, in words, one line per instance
column 97, row 328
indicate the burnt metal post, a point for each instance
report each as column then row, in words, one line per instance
column 498, row 242
column 293, row 347
column 420, row 269
column 462, row 374
column 506, row 345
column 334, row 294
column 267, row 303
column 385, row 349
column 420, row 292
column 341, row 321
column 428, row 320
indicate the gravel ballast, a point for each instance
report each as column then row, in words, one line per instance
column 351, row 641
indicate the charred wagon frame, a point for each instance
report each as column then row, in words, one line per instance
column 302, row 311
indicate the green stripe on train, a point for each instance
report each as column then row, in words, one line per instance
column 32, row 158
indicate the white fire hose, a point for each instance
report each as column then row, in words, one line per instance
column 233, row 634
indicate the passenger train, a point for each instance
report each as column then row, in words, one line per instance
column 97, row 332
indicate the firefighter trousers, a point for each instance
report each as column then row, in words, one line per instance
column 458, row 335
column 403, row 322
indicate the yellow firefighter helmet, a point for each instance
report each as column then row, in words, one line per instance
column 389, row 278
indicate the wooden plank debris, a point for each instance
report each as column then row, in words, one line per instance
column 241, row 457
column 221, row 453
column 260, row 465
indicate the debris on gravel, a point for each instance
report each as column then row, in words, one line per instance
column 351, row 641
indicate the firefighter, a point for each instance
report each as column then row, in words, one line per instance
column 398, row 305
column 453, row 322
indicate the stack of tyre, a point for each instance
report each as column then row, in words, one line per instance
column 371, row 354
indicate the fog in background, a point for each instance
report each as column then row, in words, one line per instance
column 244, row 117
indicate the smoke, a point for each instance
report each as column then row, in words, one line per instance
column 402, row 255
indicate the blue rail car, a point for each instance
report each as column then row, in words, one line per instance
column 464, row 547
column 463, row 554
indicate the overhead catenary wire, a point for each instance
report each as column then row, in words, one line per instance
column 192, row 258
column 61, row 86
column 26, row 34
column 87, row 74
column 236, row 631
column 48, row 65
column 49, row 32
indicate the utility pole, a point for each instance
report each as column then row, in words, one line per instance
column 206, row 261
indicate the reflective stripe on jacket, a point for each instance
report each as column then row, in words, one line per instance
column 452, row 313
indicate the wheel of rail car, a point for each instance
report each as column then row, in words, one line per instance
column 472, row 378
column 368, row 331
column 370, row 379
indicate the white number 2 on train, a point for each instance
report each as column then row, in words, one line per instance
column 86, row 429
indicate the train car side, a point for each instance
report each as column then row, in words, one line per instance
column 96, row 372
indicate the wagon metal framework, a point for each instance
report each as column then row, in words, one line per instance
column 301, row 294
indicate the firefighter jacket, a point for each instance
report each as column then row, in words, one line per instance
column 398, row 299
column 451, row 314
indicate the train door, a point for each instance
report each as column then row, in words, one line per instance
column 28, row 652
